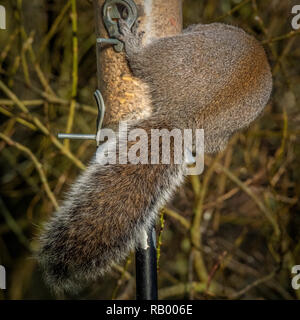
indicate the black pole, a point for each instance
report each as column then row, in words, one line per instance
column 146, row 269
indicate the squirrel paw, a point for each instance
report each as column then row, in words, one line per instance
column 124, row 29
column 132, row 38
column 127, row 34
column 136, row 26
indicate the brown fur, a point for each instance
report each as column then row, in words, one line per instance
column 214, row 77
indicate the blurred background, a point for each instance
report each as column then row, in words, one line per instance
column 231, row 233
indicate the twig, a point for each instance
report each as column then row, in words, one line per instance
column 33, row 59
column 123, row 277
column 159, row 242
column 53, row 29
column 215, row 268
column 25, row 47
column 38, row 123
column 74, row 73
column 37, row 164
column 13, row 225
column 51, row 99
column 18, row 119
column 254, row 284
column 7, row 48
column 9, row 102
column 184, row 222
column 249, row 192
column 123, row 271
column 282, row 37
column 230, row 12
column 181, row 289
column 195, row 229
column 233, row 191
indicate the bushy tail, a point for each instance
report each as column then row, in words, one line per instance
column 102, row 218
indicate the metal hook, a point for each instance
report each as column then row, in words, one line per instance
column 111, row 15
column 101, row 112
column 100, row 117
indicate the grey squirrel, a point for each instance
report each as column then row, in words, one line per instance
column 214, row 77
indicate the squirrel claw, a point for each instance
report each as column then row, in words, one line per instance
column 127, row 35
column 136, row 26
column 123, row 28
column 141, row 34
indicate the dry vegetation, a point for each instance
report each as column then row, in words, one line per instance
column 231, row 233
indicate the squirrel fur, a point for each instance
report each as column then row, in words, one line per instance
column 214, row 77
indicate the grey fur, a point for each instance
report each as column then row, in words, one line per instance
column 212, row 76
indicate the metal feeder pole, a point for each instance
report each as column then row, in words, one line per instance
column 146, row 269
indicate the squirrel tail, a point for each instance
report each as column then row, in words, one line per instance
column 102, row 218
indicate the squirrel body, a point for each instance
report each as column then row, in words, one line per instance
column 214, row 77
